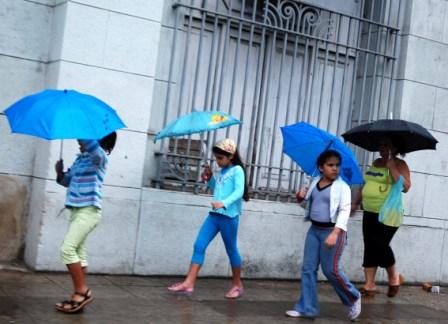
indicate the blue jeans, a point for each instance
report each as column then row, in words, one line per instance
column 316, row 252
column 229, row 229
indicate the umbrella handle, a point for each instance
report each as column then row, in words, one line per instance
column 308, row 181
column 61, row 149
column 316, row 172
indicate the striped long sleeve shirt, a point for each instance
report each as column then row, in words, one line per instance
column 84, row 179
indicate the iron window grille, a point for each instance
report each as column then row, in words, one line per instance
column 271, row 63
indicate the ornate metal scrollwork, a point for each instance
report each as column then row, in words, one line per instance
column 294, row 16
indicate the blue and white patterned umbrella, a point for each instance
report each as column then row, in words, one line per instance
column 197, row 122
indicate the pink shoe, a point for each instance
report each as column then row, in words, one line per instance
column 234, row 292
column 180, row 288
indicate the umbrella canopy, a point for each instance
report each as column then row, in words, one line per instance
column 197, row 122
column 63, row 114
column 303, row 143
column 411, row 136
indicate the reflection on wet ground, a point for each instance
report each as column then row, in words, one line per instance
column 29, row 298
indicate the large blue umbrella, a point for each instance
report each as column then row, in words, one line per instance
column 63, row 114
column 303, row 143
column 197, row 122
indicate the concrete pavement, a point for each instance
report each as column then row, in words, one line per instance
column 29, row 298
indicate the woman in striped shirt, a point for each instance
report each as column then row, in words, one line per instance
column 84, row 182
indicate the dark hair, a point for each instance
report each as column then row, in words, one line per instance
column 398, row 143
column 236, row 160
column 326, row 155
column 108, row 142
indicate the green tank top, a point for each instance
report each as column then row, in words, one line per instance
column 378, row 182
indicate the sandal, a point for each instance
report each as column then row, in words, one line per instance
column 367, row 292
column 180, row 288
column 62, row 304
column 393, row 289
column 75, row 306
column 234, row 292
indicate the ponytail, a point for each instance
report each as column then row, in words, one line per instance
column 236, row 160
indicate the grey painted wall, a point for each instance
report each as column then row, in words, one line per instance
column 25, row 35
column 114, row 49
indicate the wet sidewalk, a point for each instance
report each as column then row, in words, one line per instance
column 29, row 298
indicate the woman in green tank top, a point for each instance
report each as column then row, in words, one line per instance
column 377, row 237
column 378, row 181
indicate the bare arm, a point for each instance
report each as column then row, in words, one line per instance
column 404, row 170
column 399, row 167
column 357, row 198
column 356, row 201
column 301, row 194
column 332, row 238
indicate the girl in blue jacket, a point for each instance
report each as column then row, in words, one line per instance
column 229, row 188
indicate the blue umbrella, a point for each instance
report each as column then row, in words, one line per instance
column 197, row 122
column 63, row 114
column 303, row 143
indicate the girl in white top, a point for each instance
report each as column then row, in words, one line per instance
column 328, row 207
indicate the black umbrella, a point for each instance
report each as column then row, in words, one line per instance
column 411, row 136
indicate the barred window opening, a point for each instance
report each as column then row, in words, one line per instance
column 271, row 63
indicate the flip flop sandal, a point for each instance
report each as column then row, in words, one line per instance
column 238, row 290
column 367, row 292
column 393, row 289
column 179, row 288
column 62, row 304
column 76, row 306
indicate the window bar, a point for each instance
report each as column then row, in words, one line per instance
column 368, row 156
column 392, row 74
column 343, row 83
column 168, row 94
column 366, row 64
column 356, row 62
column 256, row 113
column 266, row 100
column 246, row 72
column 363, row 153
column 322, row 84
column 183, row 85
column 210, row 89
column 228, row 23
column 287, row 118
column 374, row 84
column 193, row 103
column 275, row 128
column 235, row 69
column 385, row 62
